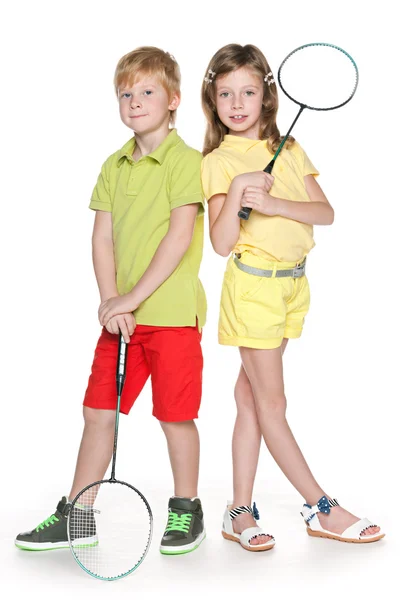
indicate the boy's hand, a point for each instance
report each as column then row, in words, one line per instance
column 125, row 324
column 119, row 305
column 260, row 200
column 255, row 179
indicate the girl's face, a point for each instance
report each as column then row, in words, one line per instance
column 239, row 97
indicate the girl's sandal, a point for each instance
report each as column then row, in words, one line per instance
column 248, row 534
column 352, row 534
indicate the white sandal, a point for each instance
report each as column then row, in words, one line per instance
column 351, row 534
column 248, row 534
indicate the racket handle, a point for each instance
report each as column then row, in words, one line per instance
column 244, row 213
column 270, row 166
column 121, row 364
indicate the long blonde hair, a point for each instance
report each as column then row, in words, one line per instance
column 228, row 59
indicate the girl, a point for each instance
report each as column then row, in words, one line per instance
column 265, row 293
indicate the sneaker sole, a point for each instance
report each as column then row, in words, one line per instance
column 183, row 549
column 40, row 547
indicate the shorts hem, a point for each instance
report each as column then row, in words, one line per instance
column 293, row 333
column 176, row 418
column 267, row 344
column 97, row 407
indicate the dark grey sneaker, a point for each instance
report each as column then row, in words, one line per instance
column 52, row 533
column 185, row 528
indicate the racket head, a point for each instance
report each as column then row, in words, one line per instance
column 319, row 76
column 110, row 526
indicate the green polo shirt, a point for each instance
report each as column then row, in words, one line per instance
column 140, row 195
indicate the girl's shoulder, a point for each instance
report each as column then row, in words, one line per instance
column 216, row 175
column 295, row 149
column 214, row 154
column 297, row 157
column 293, row 153
column 213, row 160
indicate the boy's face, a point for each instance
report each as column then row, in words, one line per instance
column 145, row 106
column 238, row 99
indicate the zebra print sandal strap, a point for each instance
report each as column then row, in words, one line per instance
column 234, row 512
column 245, row 538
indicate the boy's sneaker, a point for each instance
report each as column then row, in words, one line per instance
column 185, row 528
column 52, row 533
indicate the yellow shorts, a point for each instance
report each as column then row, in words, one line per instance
column 258, row 312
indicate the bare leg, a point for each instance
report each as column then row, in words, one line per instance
column 265, row 372
column 184, row 452
column 246, row 443
column 96, row 448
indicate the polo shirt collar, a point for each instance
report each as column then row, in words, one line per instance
column 241, row 144
column 159, row 154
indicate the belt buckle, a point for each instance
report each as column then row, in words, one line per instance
column 298, row 271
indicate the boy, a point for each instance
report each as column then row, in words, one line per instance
column 147, row 247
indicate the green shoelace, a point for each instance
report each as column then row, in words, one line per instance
column 47, row 522
column 179, row 522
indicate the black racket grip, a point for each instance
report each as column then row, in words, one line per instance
column 121, row 364
column 270, row 166
column 244, row 213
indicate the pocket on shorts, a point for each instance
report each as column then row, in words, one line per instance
column 261, row 310
column 248, row 284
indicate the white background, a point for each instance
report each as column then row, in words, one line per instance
column 59, row 121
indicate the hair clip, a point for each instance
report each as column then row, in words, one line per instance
column 211, row 78
column 269, row 78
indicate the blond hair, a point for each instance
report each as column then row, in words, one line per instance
column 149, row 60
column 228, row 59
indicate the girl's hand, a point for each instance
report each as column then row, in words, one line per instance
column 125, row 324
column 260, row 200
column 255, row 179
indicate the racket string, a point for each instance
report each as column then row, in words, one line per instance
column 111, row 542
column 319, row 76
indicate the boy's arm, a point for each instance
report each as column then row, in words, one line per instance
column 104, row 268
column 103, row 255
column 165, row 260
column 168, row 254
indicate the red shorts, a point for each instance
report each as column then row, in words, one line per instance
column 173, row 358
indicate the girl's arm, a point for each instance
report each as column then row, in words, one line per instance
column 223, row 210
column 316, row 212
column 223, row 220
